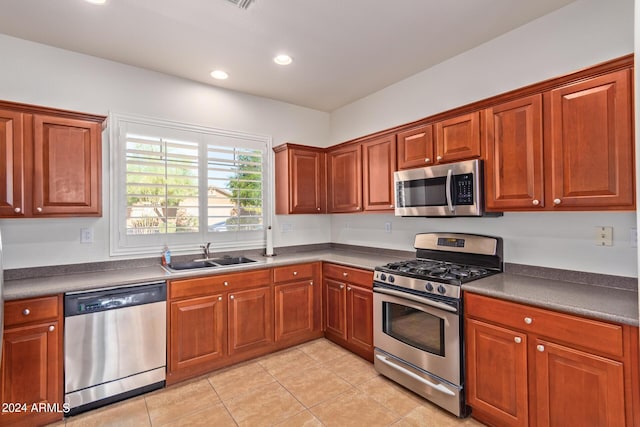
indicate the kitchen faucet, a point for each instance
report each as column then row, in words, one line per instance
column 205, row 250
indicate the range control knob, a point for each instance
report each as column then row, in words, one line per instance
column 442, row 290
column 383, row 276
column 391, row 279
column 429, row 287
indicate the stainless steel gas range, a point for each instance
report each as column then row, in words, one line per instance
column 418, row 322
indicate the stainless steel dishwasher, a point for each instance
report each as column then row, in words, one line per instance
column 114, row 344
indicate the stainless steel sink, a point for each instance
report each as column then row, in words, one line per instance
column 209, row 263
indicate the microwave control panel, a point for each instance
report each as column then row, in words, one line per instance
column 463, row 189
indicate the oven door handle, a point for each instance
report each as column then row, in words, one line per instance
column 447, row 191
column 426, row 382
column 414, row 298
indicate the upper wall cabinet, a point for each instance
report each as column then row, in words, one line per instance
column 378, row 166
column 590, row 144
column 52, row 162
column 344, row 179
column 458, row 138
column 300, row 179
column 415, row 148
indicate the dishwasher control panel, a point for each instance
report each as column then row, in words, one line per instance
column 79, row 303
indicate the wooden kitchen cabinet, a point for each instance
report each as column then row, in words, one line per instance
column 348, row 297
column 590, row 143
column 514, row 176
column 250, row 319
column 53, row 164
column 415, row 148
column 300, row 179
column 378, row 166
column 215, row 321
column 458, row 138
column 344, row 179
column 298, row 302
column 31, row 365
column 532, row 366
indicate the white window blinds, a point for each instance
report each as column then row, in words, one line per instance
column 180, row 185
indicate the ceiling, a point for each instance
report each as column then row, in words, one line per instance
column 343, row 50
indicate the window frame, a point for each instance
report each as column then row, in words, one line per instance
column 122, row 244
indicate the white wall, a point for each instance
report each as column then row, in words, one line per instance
column 577, row 36
column 38, row 74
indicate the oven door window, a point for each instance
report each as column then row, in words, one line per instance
column 414, row 327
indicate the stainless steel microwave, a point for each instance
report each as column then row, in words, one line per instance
column 448, row 190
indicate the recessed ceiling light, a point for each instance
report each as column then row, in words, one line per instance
column 96, row 1
column 219, row 74
column 283, row 59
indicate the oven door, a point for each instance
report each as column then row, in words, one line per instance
column 420, row 331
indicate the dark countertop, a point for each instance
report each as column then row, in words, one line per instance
column 616, row 304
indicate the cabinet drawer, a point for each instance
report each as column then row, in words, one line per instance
column 30, row 310
column 212, row 284
column 348, row 274
column 594, row 335
column 292, row 272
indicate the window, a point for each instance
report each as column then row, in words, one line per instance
column 181, row 185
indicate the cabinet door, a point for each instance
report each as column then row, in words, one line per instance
column 360, row 317
column 305, row 180
column 344, row 171
column 197, row 332
column 591, row 143
column 415, row 148
column 513, row 152
column 378, row 166
column 458, row 138
column 67, row 167
column 250, row 319
column 497, row 373
column 32, row 372
column 576, row 388
column 11, row 164
column 294, row 310
column 335, row 308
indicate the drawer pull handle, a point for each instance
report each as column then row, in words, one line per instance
column 528, row 320
column 26, row 312
column 232, row 297
column 345, row 274
column 226, row 283
column 295, row 273
column 518, row 340
column 52, row 328
column 540, row 348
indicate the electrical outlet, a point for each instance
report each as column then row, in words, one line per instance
column 286, row 227
column 86, row 235
column 604, row 236
column 387, row 227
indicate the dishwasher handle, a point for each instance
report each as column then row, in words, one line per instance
column 79, row 303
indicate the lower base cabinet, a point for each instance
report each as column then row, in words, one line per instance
column 530, row 366
column 31, row 368
column 250, row 320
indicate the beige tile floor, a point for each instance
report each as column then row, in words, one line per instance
column 314, row 384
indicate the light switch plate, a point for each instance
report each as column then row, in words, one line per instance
column 86, row 235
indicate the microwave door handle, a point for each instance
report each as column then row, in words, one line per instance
column 448, row 190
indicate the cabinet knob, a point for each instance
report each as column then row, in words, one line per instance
column 52, row 328
column 439, row 158
column 536, row 202
column 311, row 283
column 39, row 209
column 318, row 209
column 341, row 286
column 427, row 160
column 348, row 288
column 26, row 312
column 345, row 274
column 232, row 297
column 518, row 340
column 17, row 210
column 391, row 206
column 556, row 201
column 528, row 320
column 357, row 208
column 540, row 348
column 219, row 298
column 295, row 273
column 226, row 283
